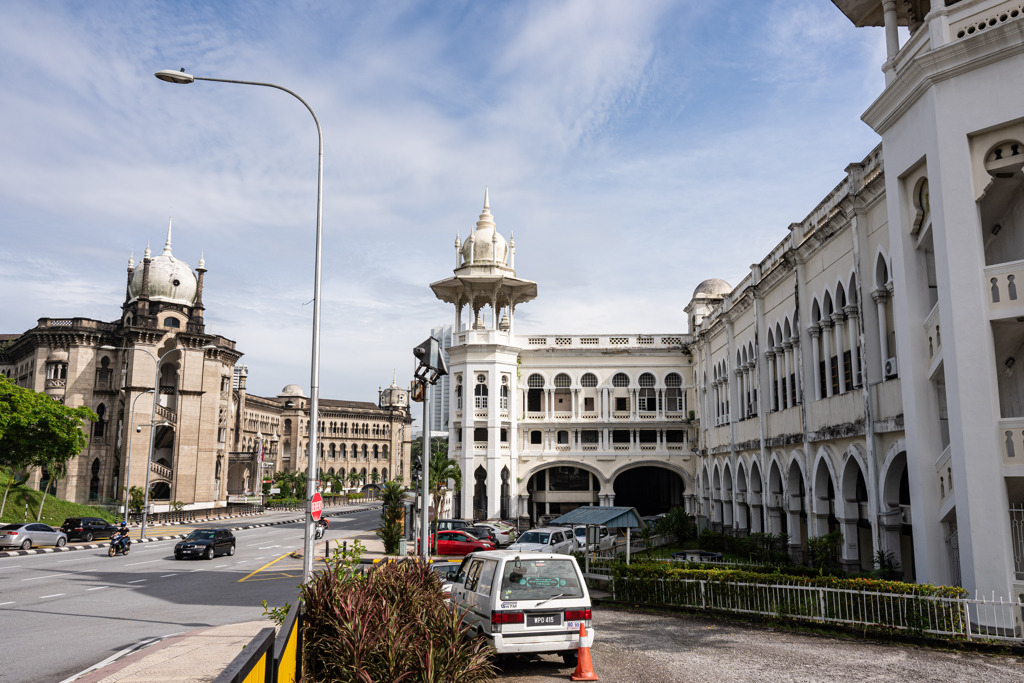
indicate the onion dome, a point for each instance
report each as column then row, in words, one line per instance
column 292, row 390
column 712, row 289
column 170, row 280
column 484, row 244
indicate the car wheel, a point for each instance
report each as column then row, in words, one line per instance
column 231, row 550
column 177, row 556
column 27, row 544
column 87, row 537
column 209, row 552
column 571, row 658
column 60, row 542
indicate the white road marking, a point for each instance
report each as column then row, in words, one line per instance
column 48, row 576
column 268, row 547
column 55, row 595
column 11, row 567
column 74, row 559
column 97, row 588
column 146, row 562
column 6, row 603
column 166, row 575
column 137, row 581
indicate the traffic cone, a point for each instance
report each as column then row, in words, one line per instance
column 584, row 667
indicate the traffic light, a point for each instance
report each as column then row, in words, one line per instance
column 416, row 467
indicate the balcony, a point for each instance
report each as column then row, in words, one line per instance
column 1001, row 287
column 160, row 470
column 167, row 414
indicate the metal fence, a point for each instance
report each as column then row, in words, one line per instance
column 967, row 618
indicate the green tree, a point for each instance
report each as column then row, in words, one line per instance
column 136, row 498
column 354, row 477
column 442, row 469
column 392, row 515
column 36, row 431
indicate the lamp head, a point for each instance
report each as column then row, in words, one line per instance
column 172, row 76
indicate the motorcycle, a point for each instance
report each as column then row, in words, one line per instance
column 119, row 543
column 320, row 530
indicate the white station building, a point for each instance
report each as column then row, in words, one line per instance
column 863, row 377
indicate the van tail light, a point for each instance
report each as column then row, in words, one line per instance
column 506, row 618
column 577, row 615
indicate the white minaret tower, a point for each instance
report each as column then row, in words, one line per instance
column 482, row 429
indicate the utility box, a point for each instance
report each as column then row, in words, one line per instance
column 403, row 547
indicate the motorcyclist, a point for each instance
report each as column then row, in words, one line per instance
column 121, row 535
column 321, row 527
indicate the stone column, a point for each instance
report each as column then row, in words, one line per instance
column 852, row 329
column 794, row 344
column 773, row 382
column 826, row 344
column 838, row 321
column 815, row 333
column 880, row 296
column 786, row 391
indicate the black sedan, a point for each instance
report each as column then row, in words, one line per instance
column 87, row 528
column 206, row 543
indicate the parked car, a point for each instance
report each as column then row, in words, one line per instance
column 482, row 532
column 446, row 570
column 457, row 542
column 503, row 533
column 207, row 543
column 446, row 524
column 605, row 540
column 552, row 539
column 524, row 603
column 87, row 528
column 24, row 535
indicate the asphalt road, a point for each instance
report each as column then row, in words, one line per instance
column 61, row 613
column 637, row 647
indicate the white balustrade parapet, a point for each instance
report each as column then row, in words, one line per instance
column 1003, row 291
column 1011, row 440
column 671, row 340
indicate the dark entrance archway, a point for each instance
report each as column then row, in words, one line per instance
column 651, row 490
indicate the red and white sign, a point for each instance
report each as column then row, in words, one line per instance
column 316, row 506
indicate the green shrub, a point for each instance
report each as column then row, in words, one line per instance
column 391, row 624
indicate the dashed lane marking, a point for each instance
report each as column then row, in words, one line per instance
column 47, row 576
column 55, row 595
column 6, row 603
column 137, row 581
column 97, row 588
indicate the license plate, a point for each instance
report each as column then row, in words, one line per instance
column 553, row 619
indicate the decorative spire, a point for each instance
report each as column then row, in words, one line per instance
column 486, row 219
column 147, row 253
column 131, row 261
column 487, row 201
column 202, row 262
column 167, row 244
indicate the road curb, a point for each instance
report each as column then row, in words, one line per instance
column 151, row 539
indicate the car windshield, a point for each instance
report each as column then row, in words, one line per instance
column 540, row 580
column 12, row 526
column 199, row 535
column 535, row 537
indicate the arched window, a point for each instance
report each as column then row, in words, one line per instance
column 331, row 451
column 384, row 452
column 376, row 452
column 647, row 400
column 673, row 393
column 535, row 394
column 458, row 393
column 620, row 379
column 99, row 428
column 562, row 381
column 94, row 481
column 588, row 380
column 480, row 392
column 504, row 393
column 384, row 474
column 563, row 437
column 172, row 322
column 366, row 453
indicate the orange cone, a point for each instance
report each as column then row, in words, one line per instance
column 584, row 667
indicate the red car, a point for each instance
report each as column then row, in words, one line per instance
column 455, row 542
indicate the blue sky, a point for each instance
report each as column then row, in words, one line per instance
column 634, row 148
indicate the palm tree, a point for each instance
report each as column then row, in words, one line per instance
column 443, row 469
column 374, row 479
column 354, row 478
column 392, row 515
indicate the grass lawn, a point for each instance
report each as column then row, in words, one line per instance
column 55, row 510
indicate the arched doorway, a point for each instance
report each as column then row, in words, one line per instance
column 650, row 489
column 554, row 491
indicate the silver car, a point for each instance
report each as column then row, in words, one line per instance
column 24, row 535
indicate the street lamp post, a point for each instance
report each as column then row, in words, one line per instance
column 181, row 77
column 128, row 468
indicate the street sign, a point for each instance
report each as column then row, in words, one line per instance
column 316, row 506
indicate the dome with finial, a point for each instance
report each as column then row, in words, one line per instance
column 292, row 390
column 170, row 280
column 394, row 396
column 484, row 244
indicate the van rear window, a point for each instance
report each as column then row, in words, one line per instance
column 526, row 579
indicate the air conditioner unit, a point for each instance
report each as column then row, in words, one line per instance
column 890, row 367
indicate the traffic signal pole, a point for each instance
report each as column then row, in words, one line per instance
column 425, row 477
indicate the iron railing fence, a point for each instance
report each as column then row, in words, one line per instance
column 967, row 618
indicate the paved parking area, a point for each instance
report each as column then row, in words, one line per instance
column 635, row 647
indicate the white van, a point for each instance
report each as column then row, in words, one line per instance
column 550, row 539
column 524, row 602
